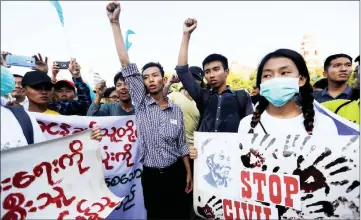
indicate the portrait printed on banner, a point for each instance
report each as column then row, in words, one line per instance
column 218, row 162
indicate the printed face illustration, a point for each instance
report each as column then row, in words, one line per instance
column 220, row 164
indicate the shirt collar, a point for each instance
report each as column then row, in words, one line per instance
column 347, row 91
column 151, row 101
column 228, row 89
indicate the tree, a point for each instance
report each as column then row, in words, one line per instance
column 236, row 83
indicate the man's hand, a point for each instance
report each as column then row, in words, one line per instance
column 113, row 11
column 193, row 152
column 189, row 186
column 40, row 64
column 100, row 89
column 189, row 25
column 96, row 133
column 74, row 68
column 3, row 58
column 55, row 70
column 173, row 79
column 14, row 103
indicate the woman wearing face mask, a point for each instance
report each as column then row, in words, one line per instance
column 280, row 76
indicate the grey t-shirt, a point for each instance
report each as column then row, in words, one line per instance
column 107, row 109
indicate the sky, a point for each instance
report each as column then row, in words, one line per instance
column 241, row 30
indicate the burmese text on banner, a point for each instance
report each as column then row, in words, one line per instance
column 57, row 179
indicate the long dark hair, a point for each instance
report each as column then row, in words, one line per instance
column 305, row 91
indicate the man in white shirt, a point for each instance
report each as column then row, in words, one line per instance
column 18, row 128
column 19, row 93
column 12, row 134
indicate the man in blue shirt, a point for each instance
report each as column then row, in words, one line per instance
column 221, row 108
column 121, row 108
column 337, row 70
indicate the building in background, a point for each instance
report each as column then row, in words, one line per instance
column 241, row 71
column 309, row 51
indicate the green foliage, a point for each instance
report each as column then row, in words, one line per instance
column 351, row 81
column 236, row 82
column 316, row 75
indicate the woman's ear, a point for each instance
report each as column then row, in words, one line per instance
column 302, row 81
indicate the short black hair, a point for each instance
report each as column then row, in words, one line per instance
column 108, row 91
column 357, row 60
column 321, row 84
column 216, row 57
column 153, row 64
column 329, row 59
column 118, row 76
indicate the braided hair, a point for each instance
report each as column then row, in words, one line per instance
column 306, row 97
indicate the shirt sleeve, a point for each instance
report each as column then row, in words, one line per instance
column 98, row 110
column 134, row 81
column 38, row 134
column 182, row 144
column 189, row 83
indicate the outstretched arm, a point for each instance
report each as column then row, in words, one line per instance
column 182, row 69
column 130, row 71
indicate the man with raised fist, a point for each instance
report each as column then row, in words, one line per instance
column 221, row 108
column 166, row 177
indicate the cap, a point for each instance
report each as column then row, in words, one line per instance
column 33, row 78
column 62, row 83
column 197, row 72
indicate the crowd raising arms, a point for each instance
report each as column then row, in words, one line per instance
column 276, row 72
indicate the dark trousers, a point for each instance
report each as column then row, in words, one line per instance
column 164, row 192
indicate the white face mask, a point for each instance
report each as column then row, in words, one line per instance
column 280, row 90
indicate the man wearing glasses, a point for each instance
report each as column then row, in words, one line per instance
column 120, row 103
column 111, row 95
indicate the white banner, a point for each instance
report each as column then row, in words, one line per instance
column 119, row 153
column 59, row 179
column 267, row 177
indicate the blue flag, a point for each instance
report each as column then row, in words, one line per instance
column 127, row 43
column 59, row 10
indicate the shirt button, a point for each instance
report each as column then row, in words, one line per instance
column 217, row 119
column 219, row 107
column 215, row 130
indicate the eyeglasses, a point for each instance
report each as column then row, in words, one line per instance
column 114, row 97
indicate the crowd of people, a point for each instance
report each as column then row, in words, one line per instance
column 281, row 101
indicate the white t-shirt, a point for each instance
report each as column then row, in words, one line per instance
column 277, row 126
column 11, row 133
column 25, row 103
column 3, row 100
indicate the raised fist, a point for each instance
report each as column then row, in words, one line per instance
column 113, row 11
column 74, row 68
column 100, row 88
column 189, row 25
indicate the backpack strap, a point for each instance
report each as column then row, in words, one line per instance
column 241, row 98
column 25, row 122
column 202, row 106
column 339, row 107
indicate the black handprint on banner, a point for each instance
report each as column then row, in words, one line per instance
column 330, row 176
column 211, row 210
